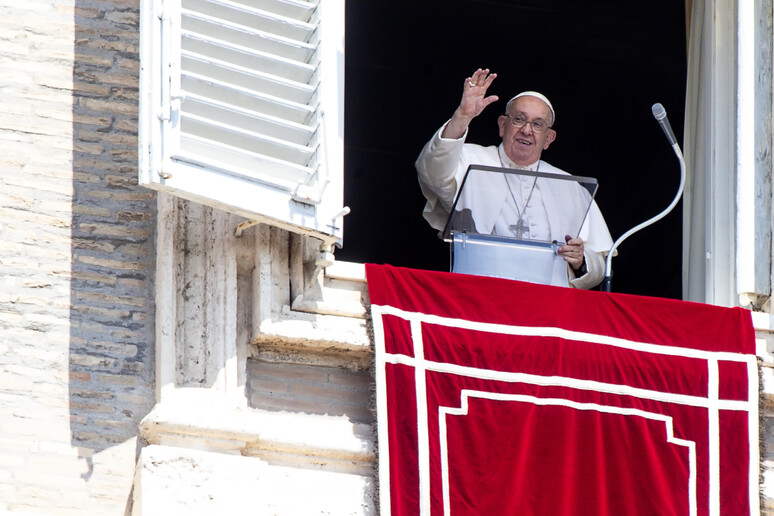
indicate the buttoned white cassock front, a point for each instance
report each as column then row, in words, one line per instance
column 441, row 167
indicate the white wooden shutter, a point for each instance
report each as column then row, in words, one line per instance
column 242, row 107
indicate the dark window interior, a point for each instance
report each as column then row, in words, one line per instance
column 602, row 63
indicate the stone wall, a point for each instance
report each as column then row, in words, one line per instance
column 113, row 254
column 79, row 323
column 76, row 233
column 313, row 389
column 764, row 324
column 254, row 397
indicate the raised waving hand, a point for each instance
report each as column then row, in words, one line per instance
column 474, row 101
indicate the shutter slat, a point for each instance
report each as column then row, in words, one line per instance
column 235, row 137
column 248, row 79
column 296, row 9
column 246, row 37
column 256, row 19
column 247, row 99
column 249, row 120
column 235, row 161
column 249, row 58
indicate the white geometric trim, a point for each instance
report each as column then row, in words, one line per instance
column 382, row 434
column 549, row 331
column 752, row 438
column 711, row 403
column 713, row 436
column 423, row 437
column 564, row 381
column 466, row 394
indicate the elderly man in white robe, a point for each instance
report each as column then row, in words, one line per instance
column 526, row 132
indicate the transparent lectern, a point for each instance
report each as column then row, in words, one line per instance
column 509, row 223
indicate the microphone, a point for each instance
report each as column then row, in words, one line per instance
column 660, row 114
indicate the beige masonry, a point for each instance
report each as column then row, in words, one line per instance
column 85, row 428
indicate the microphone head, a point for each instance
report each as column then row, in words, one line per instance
column 658, row 111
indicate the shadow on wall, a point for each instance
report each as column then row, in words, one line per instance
column 112, row 314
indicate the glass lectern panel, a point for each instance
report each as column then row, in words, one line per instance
column 509, row 223
column 520, row 204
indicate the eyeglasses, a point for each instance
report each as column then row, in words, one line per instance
column 539, row 125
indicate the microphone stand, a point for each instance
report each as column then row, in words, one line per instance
column 660, row 114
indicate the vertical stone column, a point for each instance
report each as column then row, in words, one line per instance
column 166, row 287
column 197, row 300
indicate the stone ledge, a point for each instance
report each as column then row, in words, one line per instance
column 340, row 290
column 207, row 420
column 299, row 337
column 344, row 332
column 763, row 321
column 195, row 482
column 349, row 271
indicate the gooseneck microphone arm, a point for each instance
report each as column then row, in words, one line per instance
column 660, row 114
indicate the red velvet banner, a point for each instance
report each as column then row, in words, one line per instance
column 508, row 398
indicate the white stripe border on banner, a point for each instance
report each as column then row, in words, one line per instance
column 466, row 394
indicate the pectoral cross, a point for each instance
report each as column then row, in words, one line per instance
column 520, row 228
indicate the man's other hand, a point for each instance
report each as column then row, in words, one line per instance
column 572, row 252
